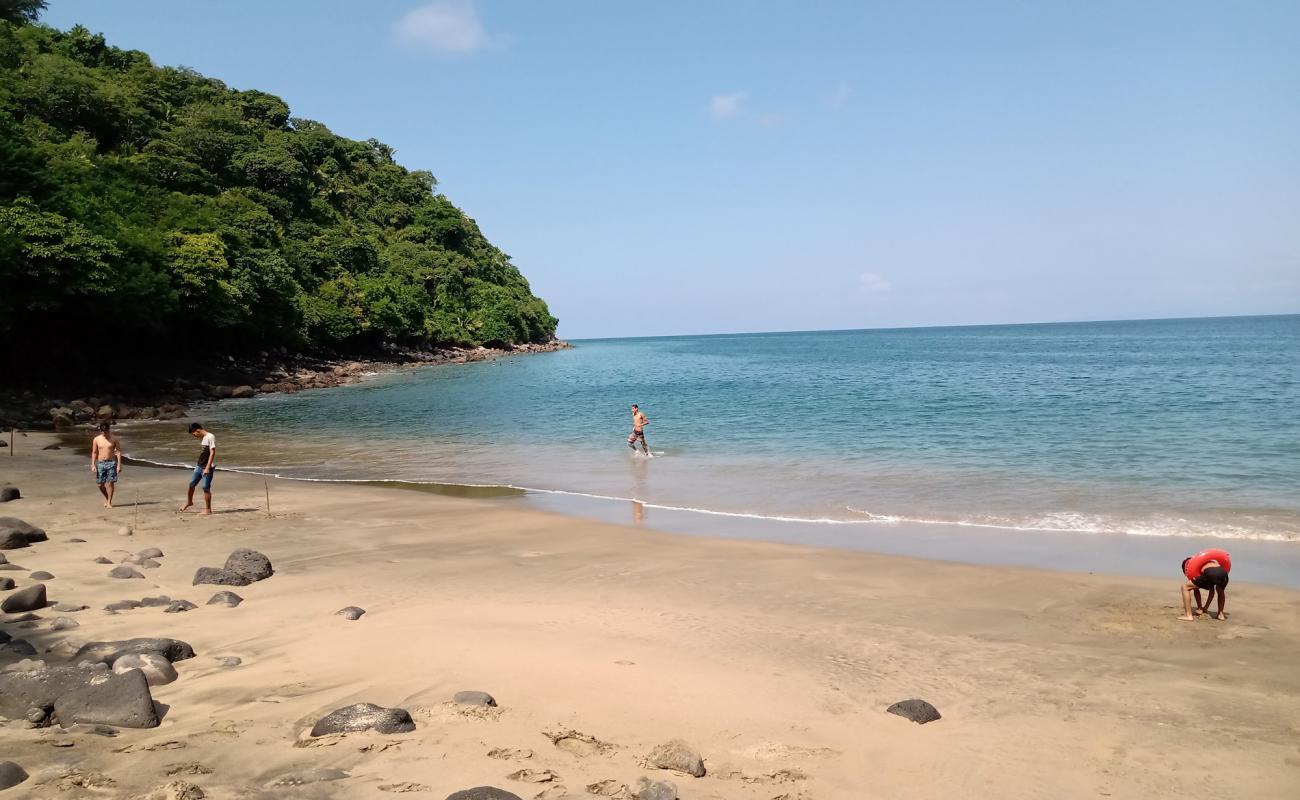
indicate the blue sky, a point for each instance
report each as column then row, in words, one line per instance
column 701, row 167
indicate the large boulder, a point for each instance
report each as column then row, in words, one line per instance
column 677, row 756
column 218, row 576
column 242, row 567
column 29, row 599
column 15, row 533
column 158, row 671
column 8, row 493
column 11, row 775
column 242, row 391
column 483, row 793
column 916, row 710
column 364, row 717
column 122, row 700
column 108, row 652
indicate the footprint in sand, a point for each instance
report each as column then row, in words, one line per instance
column 405, row 786
column 509, row 753
column 578, row 743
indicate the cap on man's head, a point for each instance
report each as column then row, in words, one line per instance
column 194, row 426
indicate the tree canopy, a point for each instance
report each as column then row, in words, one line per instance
column 158, row 207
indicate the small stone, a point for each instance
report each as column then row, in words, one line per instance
column 229, row 599
column 655, row 790
column 678, row 756
column 123, row 571
column 51, row 447
column 481, row 699
column 179, row 606
column 483, row 793
column 351, row 612
column 8, row 493
column 122, row 605
column 150, row 552
column 75, row 540
column 362, row 717
column 11, row 774
column 64, row 623
column 6, row 584
column 918, row 711
column 69, row 608
column 18, row 647
column 125, row 530
column 36, row 715
column 102, row 560
column 29, row 599
column 156, row 602
column 41, row 575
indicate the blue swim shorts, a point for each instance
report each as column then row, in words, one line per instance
column 199, row 476
column 106, row 471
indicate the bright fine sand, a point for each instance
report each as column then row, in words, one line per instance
column 775, row 662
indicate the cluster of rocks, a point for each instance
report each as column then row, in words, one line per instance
column 268, row 372
column 243, row 567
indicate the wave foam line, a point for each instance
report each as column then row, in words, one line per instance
column 874, row 519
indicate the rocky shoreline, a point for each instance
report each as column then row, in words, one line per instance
column 267, row 373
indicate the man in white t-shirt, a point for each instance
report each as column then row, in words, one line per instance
column 204, row 469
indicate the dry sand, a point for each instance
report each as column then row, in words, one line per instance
column 776, row 662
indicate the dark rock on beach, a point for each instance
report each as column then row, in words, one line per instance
column 6, row 584
column 917, row 711
column 41, row 575
column 107, row 652
column 75, row 540
column 481, row 699
column 243, row 567
column 150, row 552
column 8, row 493
column 178, row 606
column 69, row 608
column 122, row 605
column 29, row 599
column 19, row 647
column 156, row 602
column 4, row 637
column 677, row 756
column 11, row 775
column 363, row 717
column 51, row 447
column 14, row 533
column 647, row 789
column 228, row 599
column 102, row 560
column 79, row 694
column 483, row 793
column 351, row 612
column 125, row 572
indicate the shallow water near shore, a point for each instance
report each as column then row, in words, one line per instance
column 1171, row 428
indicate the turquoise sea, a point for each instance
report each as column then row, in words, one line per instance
column 1155, row 428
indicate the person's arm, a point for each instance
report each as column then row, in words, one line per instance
column 93, row 450
column 117, row 450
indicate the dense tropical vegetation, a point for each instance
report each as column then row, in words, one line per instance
column 151, row 209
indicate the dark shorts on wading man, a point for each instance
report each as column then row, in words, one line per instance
column 106, row 471
column 637, row 435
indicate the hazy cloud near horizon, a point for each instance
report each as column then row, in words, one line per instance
column 679, row 168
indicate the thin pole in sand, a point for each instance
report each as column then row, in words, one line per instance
column 11, row 442
column 136, row 525
column 266, row 485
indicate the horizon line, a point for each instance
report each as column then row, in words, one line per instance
column 934, row 327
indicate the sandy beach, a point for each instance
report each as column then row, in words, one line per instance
column 775, row 662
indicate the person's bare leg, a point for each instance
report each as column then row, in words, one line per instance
column 1187, row 603
column 189, row 499
column 1222, row 601
column 1201, row 608
column 207, row 503
column 645, row 446
column 112, row 487
column 103, row 489
column 631, row 442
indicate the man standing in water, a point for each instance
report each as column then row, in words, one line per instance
column 639, row 421
column 106, row 462
column 204, row 469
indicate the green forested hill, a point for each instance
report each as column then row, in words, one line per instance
column 155, row 209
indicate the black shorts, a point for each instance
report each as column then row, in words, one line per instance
column 1211, row 577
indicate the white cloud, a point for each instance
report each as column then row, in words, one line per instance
column 839, row 97
column 726, row 106
column 873, row 283
column 443, row 26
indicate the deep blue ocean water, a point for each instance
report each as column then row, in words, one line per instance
column 1169, row 427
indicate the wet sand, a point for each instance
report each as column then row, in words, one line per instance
column 774, row 661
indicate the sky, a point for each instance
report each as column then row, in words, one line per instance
column 710, row 167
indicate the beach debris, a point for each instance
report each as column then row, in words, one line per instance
column 609, row 788
column 64, row 623
column 310, row 775
column 108, row 652
column 483, row 793
column 228, row 599
column 243, row 566
column 178, row 606
column 405, row 786
column 576, row 742
column 6, row 584
column 14, row 533
column 11, row 775
column 916, row 710
column 534, row 776
column 69, row 608
column 8, row 493
column 124, row 572
column 678, row 756
column 351, row 612
column 70, row 779
column 363, row 717
column 158, row 671
column 41, row 575
column 509, row 753
column 647, row 789
column 103, row 560
column 29, row 599
column 174, row 790
column 480, row 699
